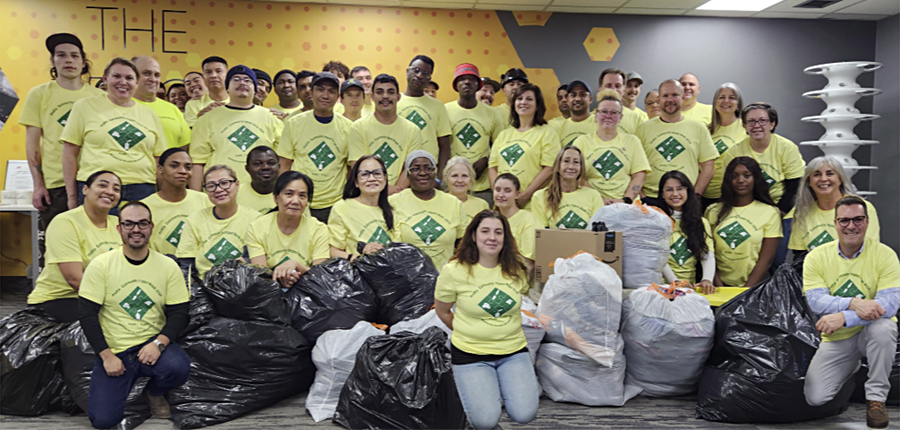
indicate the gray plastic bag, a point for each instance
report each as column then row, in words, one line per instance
column 646, row 233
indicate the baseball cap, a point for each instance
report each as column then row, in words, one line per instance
column 491, row 82
column 351, row 83
column 634, row 76
column 576, row 83
column 514, row 74
column 59, row 38
column 326, row 76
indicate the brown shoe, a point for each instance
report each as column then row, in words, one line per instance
column 876, row 415
column 160, row 407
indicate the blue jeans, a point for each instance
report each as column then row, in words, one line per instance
column 107, row 395
column 781, row 252
column 130, row 193
column 482, row 385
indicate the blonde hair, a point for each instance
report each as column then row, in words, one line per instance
column 806, row 196
column 554, row 191
column 459, row 159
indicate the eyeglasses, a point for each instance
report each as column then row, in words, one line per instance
column 857, row 221
column 225, row 184
column 675, row 190
column 610, row 112
column 377, row 174
column 417, row 169
column 420, row 72
column 762, row 122
column 238, row 79
column 142, row 224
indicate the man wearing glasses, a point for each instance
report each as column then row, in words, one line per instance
column 855, row 284
column 223, row 136
column 426, row 113
column 133, row 302
column 581, row 121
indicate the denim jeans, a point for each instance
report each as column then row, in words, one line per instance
column 781, row 252
column 132, row 192
column 107, row 395
column 483, row 385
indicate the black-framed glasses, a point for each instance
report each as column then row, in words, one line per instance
column 225, row 184
column 857, row 221
column 238, row 79
column 762, row 122
column 420, row 72
column 142, row 224
column 377, row 174
column 676, row 189
column 417, row 169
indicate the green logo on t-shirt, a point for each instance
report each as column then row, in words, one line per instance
column 849, row 289
column 497, row 303
column 127, row 135
column 286, row 258
column 572, row 220
column 243, row 138
column 571, row 142
column 175, row 237
column 380, row 236
column 512, row 154
column 387, row 154
column 721, row 146
column 608, row 165
column 769, row 180
column 322, row 156
column 222, row 251
column 137, row 304
column 417, row 119
column 733, row 234
column 468, row 136
column 64, row 119
column 680, row 251
column 670, row 148
column 823, row 238
column 428, row 230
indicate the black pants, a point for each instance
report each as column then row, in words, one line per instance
column 59, row 203
column 64, row 310
column 321, row 214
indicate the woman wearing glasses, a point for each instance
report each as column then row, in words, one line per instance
column 692, row 240
column 618, row 164
column 214, row 235
column 822, row 185
column 428, row 218
column 74, row 239
column 566, row 203
column 289, row 240
column 363, row 222
column 458, row 177
column 746, row 226
column 726, row 130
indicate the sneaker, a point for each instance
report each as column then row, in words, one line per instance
column 159, row 406
column 876, row 415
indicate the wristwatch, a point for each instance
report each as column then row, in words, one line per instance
column 160, row 345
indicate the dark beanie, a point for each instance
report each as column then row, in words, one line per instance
column 263, row 76
column 240, row 69
column 290, row 72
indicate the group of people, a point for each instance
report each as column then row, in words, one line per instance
column 345, row 164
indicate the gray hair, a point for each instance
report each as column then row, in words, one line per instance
column 459, row 159
column 806, row 196
column 716, row 121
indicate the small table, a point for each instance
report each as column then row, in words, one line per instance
column 35, row 251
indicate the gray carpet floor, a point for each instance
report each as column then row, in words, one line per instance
column 638, row 413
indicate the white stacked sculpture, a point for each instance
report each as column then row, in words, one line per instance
column 841, row 115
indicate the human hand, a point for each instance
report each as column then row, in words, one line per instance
column 705, row 287
column 113, row 365
column 288, row 273
column 149, row 354
column 40, row 196
column 868, row 310
column 372, row 248
column 831, row 323
column 208, row 108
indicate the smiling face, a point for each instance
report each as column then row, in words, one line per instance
column 489, row 237
column 68, row 61
column 136, row 238
column 632, row 91
column 579, row 100
column 825, row 181
column 365, row 78
column 674, row 193
column 651, row 104
column 726, row 102
column 526, row 104
column 609, row 113
column 121, row 82
column 485, row 95
column 505, row 193
column 148, row 82
column 385, row 96
column 670, row 98
column 613, row 81
column 178, row 96
column 220, row 196
column 214, row 74
column 375, row 178
column 851, row 235
column 176, row 171
column 293, row 199
column 421, row 174
column 562, row 101
column 325, row 95
column 691, row 87
column 262, row 91
column 459, row 179
column 742, row 181
column 430, row 90
column 104, row 192
column 286, row 87
column 758, row 125
column 195, row 84
column 570, row 166
column 263, row 166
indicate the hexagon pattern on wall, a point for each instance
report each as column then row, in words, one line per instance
column 601, row 44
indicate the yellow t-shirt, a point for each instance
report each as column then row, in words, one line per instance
column 472, row 206
column 681, row 260
column 211, row 241
column 679, row 146
column 431, row 225
column 352, row 222
column 570, row 130
column 575, row 209
column 643, row 115
column 48, row 107
column 308, row 243
column 556, row 123
column 193, row 107
column 320, row 151
column 609, row 165
column 820, row 230
column 700, row 112
column 780, row 161
column 473, row 131
column 875, row 269
column 739, row 237
column 392, row 143
column 504, row 109
column 487, row 320
column 524, row 154
column 523, row 225
column 133, row 297
column 338, row 108
column 71, row 238
column 175, row 128
column 429, row 115
column 226, row 135
column 122, row 140
column 169, row 219
column 367, row 109
column 288, row 111
column 250, row 199
column 630, row 121
column 723, row 139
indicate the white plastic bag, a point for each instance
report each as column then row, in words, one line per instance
column 420, row 324
column 667, row 341
column 646, row 234
column 581, row 307
column 567, row 375
column 334, row 356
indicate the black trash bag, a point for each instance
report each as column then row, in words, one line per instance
column 862, row 375
column 78, row 365
column 246, row 292
column 403, row 280
column 330, row 296
column 765, row 339
column 30, row 374
column 238, row 367
column 402, row 381
column 200, row 309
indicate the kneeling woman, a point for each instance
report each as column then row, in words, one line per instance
column 289, row 240
column 486, row 279
column 363, row 222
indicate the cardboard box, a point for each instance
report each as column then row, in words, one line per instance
column 551, row 244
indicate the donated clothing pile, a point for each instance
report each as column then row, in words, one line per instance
column 646, row 233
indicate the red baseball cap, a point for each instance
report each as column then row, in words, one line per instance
column 466, row 69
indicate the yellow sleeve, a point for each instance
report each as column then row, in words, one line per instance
column 461, row 217
column 255, row 241
column 443, row 125
column 418, row 141
column 320, row 246
column 889, row 273
column 874, row 230
column 727, row 156
column 495, row 154
column 708, row 150
column 597, row 202
column 813, row 276
column 337, row 230
column 550, row 147
column 526, row 246
column 794, row 166
column 190, row 241
column 191, row 109
column 161, row 144
column 539, row 208
column 285, row 146
column 73, row 132
column 639, row 161
column 201, row 144
column 62, row 242
column 93, row 282
column 794, row 240
column 185, row 138
column 497, row 125
column 445, row 288
column 357, row 146
column 276, row 127
column 176, row 289
column 31, row 110
column 772, row 228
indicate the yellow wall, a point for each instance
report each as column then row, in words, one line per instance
column 269, row 36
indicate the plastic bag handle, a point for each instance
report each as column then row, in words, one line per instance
column 645, row 208
column 669, row 292
column 382, row 327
